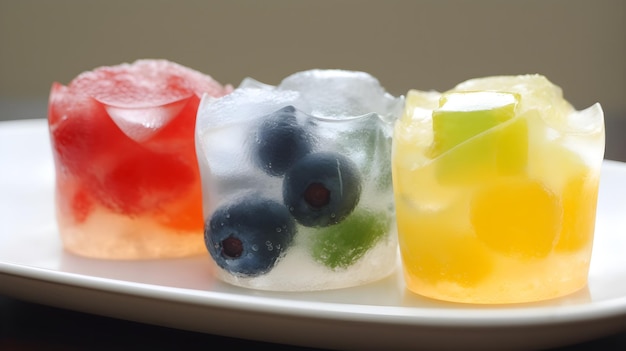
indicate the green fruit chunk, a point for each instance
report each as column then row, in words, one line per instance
column 478, row 135
column 463, row 115
column 340, row 245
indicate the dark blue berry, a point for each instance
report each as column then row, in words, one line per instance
column 321, row 189
column 249, row 236
column 281, row 141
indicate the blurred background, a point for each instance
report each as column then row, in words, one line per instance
column 579, row 45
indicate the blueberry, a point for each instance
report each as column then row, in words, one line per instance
column 249, row 236
column 321, row 189
column 281, row 141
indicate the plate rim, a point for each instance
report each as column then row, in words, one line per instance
column 484, row 315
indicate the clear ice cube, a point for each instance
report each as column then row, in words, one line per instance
column 326, row 130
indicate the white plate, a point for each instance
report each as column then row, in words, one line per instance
column 180, row 293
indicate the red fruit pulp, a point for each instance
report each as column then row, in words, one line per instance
column 99, row 155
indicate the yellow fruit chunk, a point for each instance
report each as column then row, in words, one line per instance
column 436, row 254
column 518, row 217
column 579, row 213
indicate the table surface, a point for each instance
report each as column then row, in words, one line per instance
column 29, row 326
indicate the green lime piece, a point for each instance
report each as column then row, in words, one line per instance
column 341, row 245
column 478, row 135
column 463, row 115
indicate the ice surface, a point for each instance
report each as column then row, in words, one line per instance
column 587, row 121
column 342, row 94
column 140, row 124
column 144, row 96
column 241, row 106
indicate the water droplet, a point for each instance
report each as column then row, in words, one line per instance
column 278, row 230
column 255, row 247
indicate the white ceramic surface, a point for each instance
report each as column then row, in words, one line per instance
column 181, row 293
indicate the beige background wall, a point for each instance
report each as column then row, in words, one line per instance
column 423, row 44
